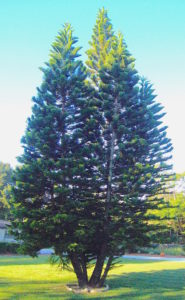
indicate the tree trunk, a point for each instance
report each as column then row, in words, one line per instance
column 107, row 268
column 84, row 267
column 82, row 278
column 111, row 161
column 109, row 184
column 96, row 275
column 96, row 280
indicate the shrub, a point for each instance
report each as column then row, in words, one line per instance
column 166, row 249
column 8, row 248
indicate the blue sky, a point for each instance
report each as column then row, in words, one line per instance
column 153, row 29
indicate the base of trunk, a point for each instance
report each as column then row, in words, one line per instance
column 87, row 289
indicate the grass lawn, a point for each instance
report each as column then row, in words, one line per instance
column 27, row 278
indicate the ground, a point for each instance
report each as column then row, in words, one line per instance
column 27, row 278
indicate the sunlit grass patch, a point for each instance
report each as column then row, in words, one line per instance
column 27, row 278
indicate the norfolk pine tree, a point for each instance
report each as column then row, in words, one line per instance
column 95, row 158
column 134, row 149
column 58, row 177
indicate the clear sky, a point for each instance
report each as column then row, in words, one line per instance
column 153, row 29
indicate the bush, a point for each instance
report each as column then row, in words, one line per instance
column 9, row 248
column 166, row 249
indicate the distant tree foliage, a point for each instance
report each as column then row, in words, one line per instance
column 173, row 212
column 95, row 156
column 6, row 182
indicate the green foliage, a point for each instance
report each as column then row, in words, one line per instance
column 6, row 182
column 174, row 217
column 176, row 212
column 9, row 248
column 99, row 53
column 95, row 156
column 174, row 250
column 172, row 212
column 180, row 176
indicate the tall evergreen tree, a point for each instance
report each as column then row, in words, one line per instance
column 135, row 147
column 58, row 176
column 94, row 156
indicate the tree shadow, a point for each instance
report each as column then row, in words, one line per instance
column 165, row 284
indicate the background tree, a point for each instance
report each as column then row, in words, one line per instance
column 6, row 182
column 176, row 214
column 95, row 156
column 173, row 213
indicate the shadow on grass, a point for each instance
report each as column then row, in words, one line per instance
column 149, row 285
column 165, row 284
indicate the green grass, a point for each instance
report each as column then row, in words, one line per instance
column 27, row 278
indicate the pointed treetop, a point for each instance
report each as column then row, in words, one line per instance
column 101, row 43
column 106, row 48
column 64, row 46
